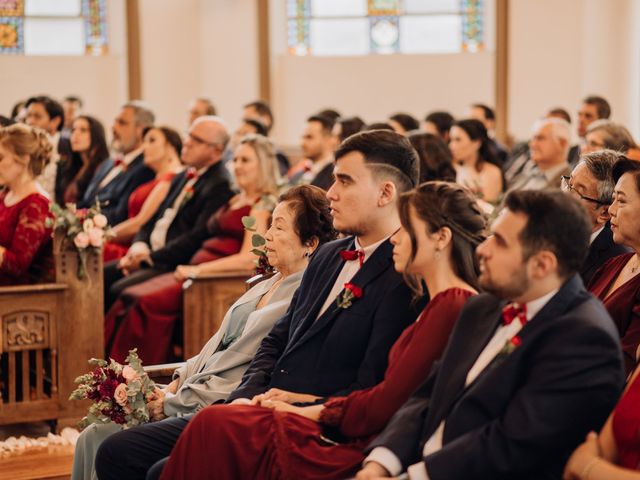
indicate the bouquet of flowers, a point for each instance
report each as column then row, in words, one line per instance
column 119, row 392
column 258, row 242
column 85, row 230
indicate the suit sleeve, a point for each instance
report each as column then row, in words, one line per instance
column 121, row 210
column 391, row 317
column 570, row 389
column 179, row 250
column 258, row 375
column 403, row 433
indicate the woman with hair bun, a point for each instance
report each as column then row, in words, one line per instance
column 25, row 240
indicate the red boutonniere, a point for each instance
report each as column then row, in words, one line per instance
column 348, row 295
column 187, row 196
column 510, row 345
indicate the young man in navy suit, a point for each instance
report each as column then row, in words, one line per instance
column 350, row 308
column 531, row 366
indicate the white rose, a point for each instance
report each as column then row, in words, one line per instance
column 100, row 221
column 129, row 373
column 81, row 240
column 96, row 237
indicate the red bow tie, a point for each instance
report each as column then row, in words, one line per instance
column 118, row 162
column 512, row 311
column 192, row 173
column 349, row 255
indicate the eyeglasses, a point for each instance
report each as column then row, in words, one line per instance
column 567, row 187
column 201, row 141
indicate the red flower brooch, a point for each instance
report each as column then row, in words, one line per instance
column 348, row 295
column 510, row 345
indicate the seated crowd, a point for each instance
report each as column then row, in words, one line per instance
column 400, row 333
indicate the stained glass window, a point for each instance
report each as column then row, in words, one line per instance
column 361, row 27
column 53, row 27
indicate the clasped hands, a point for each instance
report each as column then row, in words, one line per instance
column 281, row 401
column 155, row 401
column 131, row 262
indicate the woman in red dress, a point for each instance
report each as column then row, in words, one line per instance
column 145, row 314
column 88, row 150
column 617, row 283
column 441, row 225
column 25, row 240
column 614, row 454
column 162, row 146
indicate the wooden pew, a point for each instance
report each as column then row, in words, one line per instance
column 47, row 334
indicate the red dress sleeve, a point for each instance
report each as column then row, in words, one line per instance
column 29, row 236
column 366, row 412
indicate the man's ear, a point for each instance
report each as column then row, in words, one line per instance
column 543, row 264
column 603, row 214
column 387, row 194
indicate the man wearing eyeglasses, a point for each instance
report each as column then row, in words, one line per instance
column 591, row 182
column 178, row 228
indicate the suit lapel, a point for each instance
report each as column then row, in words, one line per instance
column 92, row 189
column 372, row 269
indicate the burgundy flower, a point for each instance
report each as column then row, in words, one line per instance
column 107, row 388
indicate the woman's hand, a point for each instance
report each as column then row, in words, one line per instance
column 312, row 412
column 283, row 396
column 581, row 457
column 371, row 471
column 155, row 404
column 186, row 271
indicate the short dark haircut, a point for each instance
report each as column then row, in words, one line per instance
column 260, row 127
column 556, row 222
column 625, row 165
column 16, row 109
column 5, row 122
column 602, row 106
column 379, row 126
column 407, row 121
column 312, row 213
column 489, row 114
column 349, row 126
column 436, row 162
column 600, row 165
column 386, row 153
column 211, row 108
column 53, row 108
column 263, row 109
column 560, row 112
column 332, row 113
column 74, row 99
column 442, row 121
column 326, row 122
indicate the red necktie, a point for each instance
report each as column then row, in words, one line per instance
column 349, row 255
column 512, row 311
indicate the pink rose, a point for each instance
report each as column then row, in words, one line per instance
column 87, row 225
column 129, row 373
column 81, row 240
column 120, row 395
column 100, row 220
column 96, row 237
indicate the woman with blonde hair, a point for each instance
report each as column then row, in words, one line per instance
column 25, row 240
column 145, row 315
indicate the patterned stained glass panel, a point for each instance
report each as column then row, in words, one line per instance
column 43, row 36
column 384, row 7
column 11, row 8
column 384, row 34
column 95, row 27
column 472, row 26
column 430, row 34
column 11, row 35
column 338, row 8
column 431, row 6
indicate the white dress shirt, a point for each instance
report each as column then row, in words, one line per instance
column 595, row 234
column 503, row 333
column 117, row 170
column 349, row 269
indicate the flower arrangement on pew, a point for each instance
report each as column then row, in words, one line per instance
column 258, row 243
column 119, row 392
column 84, row 230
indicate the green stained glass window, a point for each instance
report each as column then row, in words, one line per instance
column 362, row 27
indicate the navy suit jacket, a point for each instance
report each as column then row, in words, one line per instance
column 114, row 196
column 344, row 349
column 188, row 229
column 528, row 410
column 602, row 249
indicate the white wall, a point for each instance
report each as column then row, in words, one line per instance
column 100, row 81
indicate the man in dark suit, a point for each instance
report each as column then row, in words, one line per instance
column 178, row 228
column 317, row 149
column 530, row 368
column 334, row 338
column 116, row 178
column 591, row 182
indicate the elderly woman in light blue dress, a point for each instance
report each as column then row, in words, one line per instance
column 301, row 222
